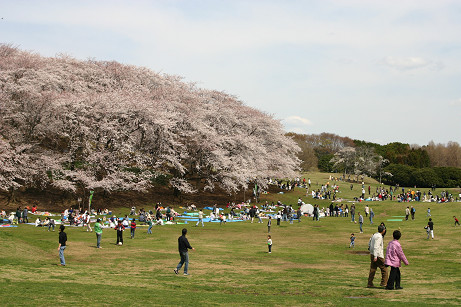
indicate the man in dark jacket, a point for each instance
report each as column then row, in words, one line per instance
column 183, row 247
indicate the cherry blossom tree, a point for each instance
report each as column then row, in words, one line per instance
column 84, row 125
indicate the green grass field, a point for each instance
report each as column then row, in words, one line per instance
column 311, row 262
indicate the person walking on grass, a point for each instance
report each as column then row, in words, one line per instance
column 260, row 214
column 412, row 211
column 394, row 256
column 407, row 213
column 353, row 213
column 456, row 221
column 360, row 222
column 428, row 212
column 132, row 228
column 62, row 244
column 200, row 218
column 87, row 219
column 299, row 214
column 183, row 247
column 352, row 241
column 269, row 243
column 98, row 232
column 269, row 223
column 372, row 215
column 375, row 246
column 430, row 231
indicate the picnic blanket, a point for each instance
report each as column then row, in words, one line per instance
column 211, row 208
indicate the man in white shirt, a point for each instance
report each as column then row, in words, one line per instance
column 375, row 246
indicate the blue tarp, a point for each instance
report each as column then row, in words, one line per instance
column 211, row 208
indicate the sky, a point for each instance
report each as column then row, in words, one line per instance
column 379, row 71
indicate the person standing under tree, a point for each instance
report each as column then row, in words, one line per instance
column 24, row 216
column 375, row 246
column 62, row 244
column 98, row 232
column 183, row 247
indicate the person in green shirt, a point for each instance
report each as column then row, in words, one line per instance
column 98, row 231
column 149, row 222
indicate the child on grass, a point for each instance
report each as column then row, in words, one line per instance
column 133, row 228
column 269, row 243
column 394, row 256
column 120, row 228
column 269, row 223
column 456, row 221
column 352, row 241
column 428, row 231
column 430, row 226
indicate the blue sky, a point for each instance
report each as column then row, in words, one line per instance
column 379, row 71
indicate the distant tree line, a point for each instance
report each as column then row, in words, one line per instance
column 393, row 163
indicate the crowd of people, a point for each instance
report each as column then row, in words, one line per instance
column 274, row 212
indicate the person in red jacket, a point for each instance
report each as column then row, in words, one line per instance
column 120, row 228
column 456, row 220
column 132, row 228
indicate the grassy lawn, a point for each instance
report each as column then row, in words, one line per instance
column 310, row 264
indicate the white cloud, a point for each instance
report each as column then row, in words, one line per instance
column 456, row 102
column 297, row 124
column 297, row 120
column 411, row 63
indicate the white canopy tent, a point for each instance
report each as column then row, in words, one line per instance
column 307, row 208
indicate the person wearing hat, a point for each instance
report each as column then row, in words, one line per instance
column 62, row 244
column 98, row 231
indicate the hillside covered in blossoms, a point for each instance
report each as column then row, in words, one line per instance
column 74, row 126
